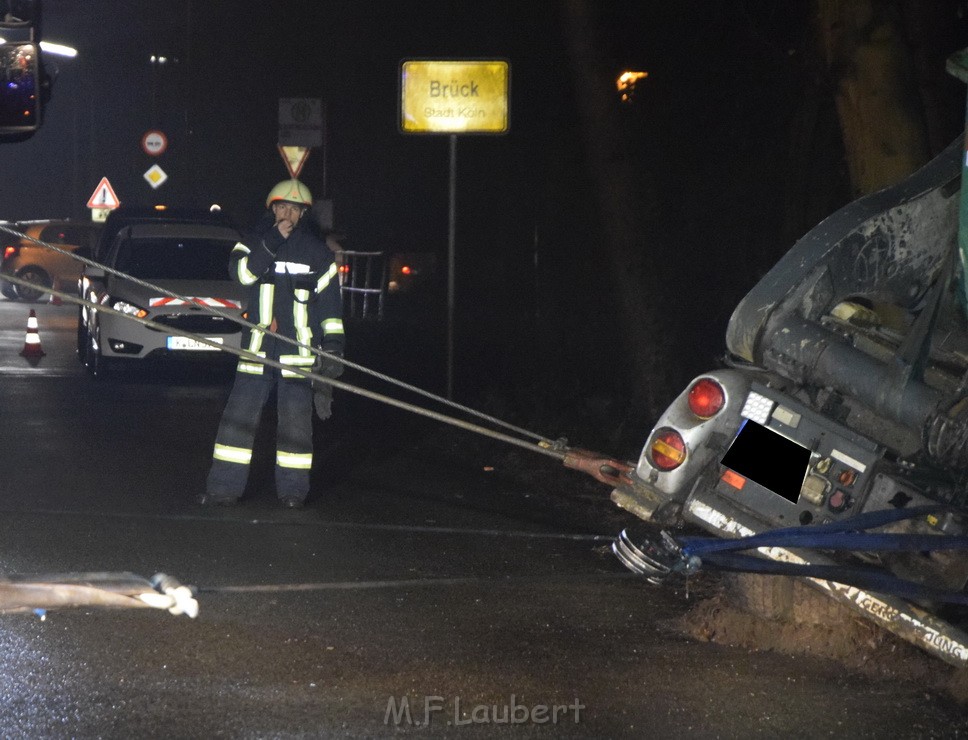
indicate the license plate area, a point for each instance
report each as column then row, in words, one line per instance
column 788, row 464
column 766, row 457
column 187, row 343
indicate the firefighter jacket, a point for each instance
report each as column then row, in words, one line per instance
column 293, row 290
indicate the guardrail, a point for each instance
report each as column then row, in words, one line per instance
column 363, row 278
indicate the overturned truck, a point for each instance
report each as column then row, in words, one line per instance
column 845, row 394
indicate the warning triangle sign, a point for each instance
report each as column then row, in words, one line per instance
column 294, row 157
column 103, row 196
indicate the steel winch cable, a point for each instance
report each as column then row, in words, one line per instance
column 265, row 330
column 543, row 444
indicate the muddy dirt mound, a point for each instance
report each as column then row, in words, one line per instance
column 958, row 686
column 818, row 627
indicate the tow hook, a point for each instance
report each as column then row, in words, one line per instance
column 603, row 469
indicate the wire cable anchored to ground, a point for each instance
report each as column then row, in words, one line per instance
column 602, row 468
column 212, row 310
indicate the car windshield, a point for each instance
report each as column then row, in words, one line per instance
column 175, row 258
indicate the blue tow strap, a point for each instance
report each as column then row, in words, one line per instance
column 845, row 535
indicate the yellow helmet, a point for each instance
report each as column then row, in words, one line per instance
column 291, row 191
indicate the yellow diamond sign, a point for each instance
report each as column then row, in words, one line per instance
column 454, row 97
column 155, row 176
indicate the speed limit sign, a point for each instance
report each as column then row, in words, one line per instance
column 154, row 143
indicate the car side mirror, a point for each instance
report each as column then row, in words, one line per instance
column 20, row 90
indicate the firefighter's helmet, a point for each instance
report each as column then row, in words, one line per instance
column 291, row 191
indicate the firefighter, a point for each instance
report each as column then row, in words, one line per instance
column 293, row 290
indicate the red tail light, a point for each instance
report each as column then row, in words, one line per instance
column 706, row 398
column 9, row 252
column 405, row 269
column 344, row 269
column 668, row 450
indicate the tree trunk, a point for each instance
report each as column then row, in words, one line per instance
column 628, row 211
column 880, row 111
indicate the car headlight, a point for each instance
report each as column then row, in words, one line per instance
column 129, row 308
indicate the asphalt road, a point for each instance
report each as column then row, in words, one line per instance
column 428, row 589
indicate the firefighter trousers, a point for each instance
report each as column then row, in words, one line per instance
column 232, row 457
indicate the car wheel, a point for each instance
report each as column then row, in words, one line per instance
column 81, row 337
column 7, row 290
column 38, row 277
column 96, row 363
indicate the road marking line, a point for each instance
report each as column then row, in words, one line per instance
column 285, row 521
column 411, row 582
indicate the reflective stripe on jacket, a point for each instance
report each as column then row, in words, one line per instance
column 293, row 291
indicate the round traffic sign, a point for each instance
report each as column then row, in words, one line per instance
column 154, row 143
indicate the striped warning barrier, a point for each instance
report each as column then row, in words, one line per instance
column 218, row 302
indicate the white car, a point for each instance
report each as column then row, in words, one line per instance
column 188, row 259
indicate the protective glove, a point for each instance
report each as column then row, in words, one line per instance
column 323, row 392
column 272, row 240
column 323, row 400
column 328, row 367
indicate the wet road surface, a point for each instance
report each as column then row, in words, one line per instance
column 419, row 593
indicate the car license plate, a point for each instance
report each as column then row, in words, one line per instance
column 777, row 463
column 194, row 344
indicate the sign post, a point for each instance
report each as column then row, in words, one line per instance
column 454, row 97
column 155, row 176
column 300, row 122
column 294, row 157
column 302, row 126
column 102, row 201
column 154, row 143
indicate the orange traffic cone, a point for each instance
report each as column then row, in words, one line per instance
column 55, row 300
column 32, row 346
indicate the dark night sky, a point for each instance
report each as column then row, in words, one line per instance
column 219, row 106
column 219, row 109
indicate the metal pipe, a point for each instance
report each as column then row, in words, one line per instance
column 818, row 357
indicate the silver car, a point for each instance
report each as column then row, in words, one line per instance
column 44, row 267
column 190, row 260
column 845, row 398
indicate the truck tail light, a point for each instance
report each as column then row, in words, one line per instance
column 706, row 398
column 668, row 450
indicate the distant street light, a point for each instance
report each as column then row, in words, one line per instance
column 626, row 84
